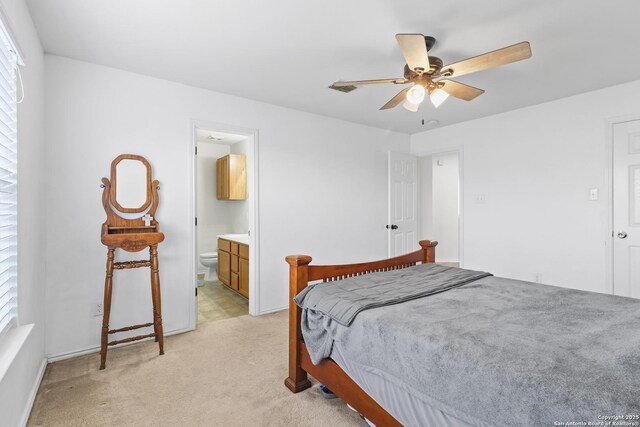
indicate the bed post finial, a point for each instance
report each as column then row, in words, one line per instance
column 428, row 250
column 294, row 260
column 298, row 280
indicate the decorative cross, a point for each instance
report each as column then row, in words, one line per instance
column 147, row 220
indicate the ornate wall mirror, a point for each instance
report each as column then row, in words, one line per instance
column 130, row 183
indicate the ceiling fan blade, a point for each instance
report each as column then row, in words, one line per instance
column 460, row 90
column 370, row 82
column 393, row 102
column 503, row 56
column 414, row 49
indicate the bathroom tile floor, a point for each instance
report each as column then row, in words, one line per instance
column 217, row 302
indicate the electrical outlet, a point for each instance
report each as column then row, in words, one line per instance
column 97, row 310
column 538, row 277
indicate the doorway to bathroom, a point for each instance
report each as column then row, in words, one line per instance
column 225, row 222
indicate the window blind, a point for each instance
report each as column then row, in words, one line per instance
column 8, row 183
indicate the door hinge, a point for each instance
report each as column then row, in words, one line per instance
column 196, row 291
column 196, row 150
column 196, row 221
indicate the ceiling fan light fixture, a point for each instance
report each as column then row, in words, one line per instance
column 416, row 94
column 437, row 97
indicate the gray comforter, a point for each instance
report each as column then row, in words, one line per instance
column 492, row 351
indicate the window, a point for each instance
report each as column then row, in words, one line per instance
column 8, row 184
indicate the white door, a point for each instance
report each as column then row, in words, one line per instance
column 626, row 209
column 402, row 225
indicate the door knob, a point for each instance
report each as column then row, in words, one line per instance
column 622, row 235
column 392, row 226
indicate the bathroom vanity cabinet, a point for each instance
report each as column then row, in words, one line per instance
column 233, row 265
column 231, row 177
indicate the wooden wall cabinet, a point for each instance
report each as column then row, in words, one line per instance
column 233, row 266
column 231, row 177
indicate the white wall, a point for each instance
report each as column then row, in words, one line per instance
column 534, row 167
column 439, row 179
column 20, row 382
column 322, row 191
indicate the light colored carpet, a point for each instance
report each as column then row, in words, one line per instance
column 226, row 373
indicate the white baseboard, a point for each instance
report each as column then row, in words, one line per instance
column 75, row 353
column 94, row 349
column 33, row 393
column 273, row 310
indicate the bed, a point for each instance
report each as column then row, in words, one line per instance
column 407, row 342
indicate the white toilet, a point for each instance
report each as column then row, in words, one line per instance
column 210, row 260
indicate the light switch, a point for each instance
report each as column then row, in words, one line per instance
column 593, row 194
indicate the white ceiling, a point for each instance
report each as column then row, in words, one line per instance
column 287, row 52
column 213, row 137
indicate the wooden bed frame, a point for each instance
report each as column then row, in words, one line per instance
column 328, row 372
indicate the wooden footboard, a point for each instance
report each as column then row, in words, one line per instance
column 328, row 372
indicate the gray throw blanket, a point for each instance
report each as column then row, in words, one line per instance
column 494, row 352
column 344, row 299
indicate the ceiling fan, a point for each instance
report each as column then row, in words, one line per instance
column 429, row 76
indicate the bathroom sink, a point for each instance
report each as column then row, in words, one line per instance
column 239, row 238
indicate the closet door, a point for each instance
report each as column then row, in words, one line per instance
column 403, row 211
column 626, row 209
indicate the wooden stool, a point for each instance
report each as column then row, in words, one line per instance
column 131, row 229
